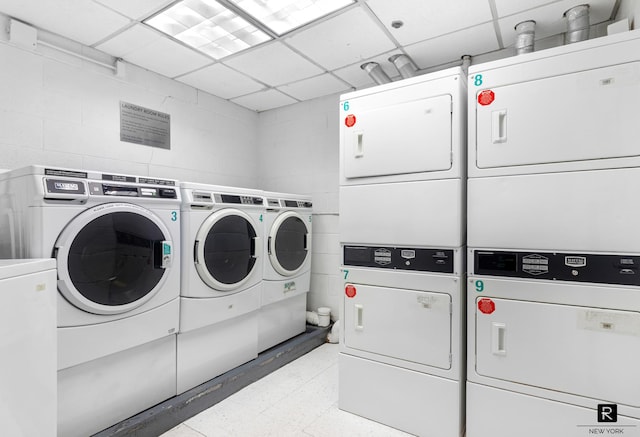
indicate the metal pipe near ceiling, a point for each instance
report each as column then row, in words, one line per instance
column 404, row 65
column 526, row 35
column 577, row 24
column 375, row 71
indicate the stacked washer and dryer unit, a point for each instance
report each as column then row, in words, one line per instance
column 554, row 251
column 116, row 242
column 402, row 209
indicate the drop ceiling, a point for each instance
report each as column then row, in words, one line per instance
column 320, row 58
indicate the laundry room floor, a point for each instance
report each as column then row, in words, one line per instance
column 299, row 399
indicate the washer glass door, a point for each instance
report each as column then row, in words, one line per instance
column 226, row 249
column 112, row 258
column 288, row 243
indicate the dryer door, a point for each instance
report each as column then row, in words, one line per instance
column 289, row 243
column 407, row 325
column 226, row 248
column 112, row 258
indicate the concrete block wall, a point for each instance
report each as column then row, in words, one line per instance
column 298, row 150
column 59, row 110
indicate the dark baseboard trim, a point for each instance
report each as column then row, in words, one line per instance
column 170, row 413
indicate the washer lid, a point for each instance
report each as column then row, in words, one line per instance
column 289, row 243
column 112, row 258
column 226, row 248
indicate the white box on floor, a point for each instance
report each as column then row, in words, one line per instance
column 28, row 391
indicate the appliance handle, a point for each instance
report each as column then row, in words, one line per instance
column 163, row 254
column 359, row 309
column 499, row 126
column 358, row 146
column 307, row 242
column 269, row 245
column 498, row 338
column 257, row 247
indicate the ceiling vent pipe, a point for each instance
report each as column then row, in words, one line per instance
column 466, row 63
column 375, row 71
column 526, row 35
column 404, row 65
column 577, row 24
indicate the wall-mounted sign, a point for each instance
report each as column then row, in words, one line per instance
column 145, row 126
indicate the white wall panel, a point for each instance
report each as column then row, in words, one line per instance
column 68, row 113
column 299, row 153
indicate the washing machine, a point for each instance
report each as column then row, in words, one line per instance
column 554, row 279
column 402, row 209
column 287, row 268
column 222, row 237
column 115, row 239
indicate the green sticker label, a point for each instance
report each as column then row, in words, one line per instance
column 479, row 286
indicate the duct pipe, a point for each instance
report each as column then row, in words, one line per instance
column 577, row 24
column 404, row 65
column 375, row 71
column 526, row 32
column 466, row 63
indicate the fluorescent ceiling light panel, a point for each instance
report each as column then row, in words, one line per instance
column 209, row 27
column 281, row 16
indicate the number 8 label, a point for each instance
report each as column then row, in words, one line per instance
column 477, row 80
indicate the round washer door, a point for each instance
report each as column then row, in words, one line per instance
column 112, row 258
column 226, row 248
column 289, row 243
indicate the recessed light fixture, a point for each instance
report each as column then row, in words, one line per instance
column 282, row 16
column 222, row 28
column 209, row 27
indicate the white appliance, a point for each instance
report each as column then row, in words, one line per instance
column 287, row 268
column 402, row 357
column 115, row 239
column 28, row 394
column 222, row 237
column 554, row 286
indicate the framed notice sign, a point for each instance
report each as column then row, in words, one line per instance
column 145, row 126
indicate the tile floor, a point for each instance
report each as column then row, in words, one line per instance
column 299, row 399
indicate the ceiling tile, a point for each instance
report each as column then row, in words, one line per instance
column 221, row 81
column 129, row 40
column 359, row 78
column 425, row 19
column 350, row 37
column 82, row 21
column 510, row 7
column 167, row 58
column 274, row 64
column 451, row 47
column 264, row 100
column 315, row 87
column 549, row 18
column 137, row 9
